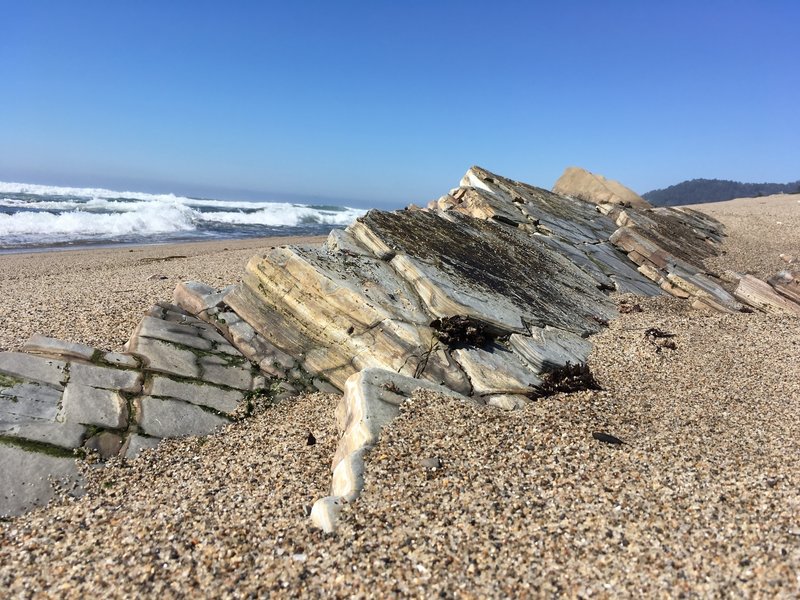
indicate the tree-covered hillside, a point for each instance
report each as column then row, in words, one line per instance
column 697, row 191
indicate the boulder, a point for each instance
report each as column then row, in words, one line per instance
column 591, row 187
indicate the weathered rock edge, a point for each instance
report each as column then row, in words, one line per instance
column 371, row 399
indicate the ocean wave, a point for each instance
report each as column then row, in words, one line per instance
column 43, row 215
column 50, row 190
column 283, row 215
column 150, row 218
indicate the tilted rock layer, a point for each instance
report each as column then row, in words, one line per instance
column 489, row 292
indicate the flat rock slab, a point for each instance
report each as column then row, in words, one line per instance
column 163, row 418
column 548, row 347
column 165, row 357
column 120, row 359
column 109, row 378
column 763, row 296
column 28, row 401
column 184, row 335
column 35, row 368
column 39, row 344
column 25, row 478
column 94, row 406
column 221, row 399
column 63, row 435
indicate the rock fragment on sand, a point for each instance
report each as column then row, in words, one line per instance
column 40, row 344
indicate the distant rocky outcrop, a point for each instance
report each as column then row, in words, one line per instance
column 490, row 294
column 591, row 187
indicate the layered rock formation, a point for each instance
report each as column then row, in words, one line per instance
column 490, row 294
column 179, row 377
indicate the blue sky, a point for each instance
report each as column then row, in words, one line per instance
column 387, row 103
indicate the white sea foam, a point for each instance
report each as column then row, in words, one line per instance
column 283, row 215
column 50, row 214
column 150, row 218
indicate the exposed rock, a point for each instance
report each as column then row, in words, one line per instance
column 34, row 368
column 761, row 295
column 106, row 444
column 787, row 283
column 63, row 435
column 165, row 358
column 196, row 297
column 496, row 372
column 371, row 399
column 25, row 477
column 591, row 187
column 136, row 443
column 164, row 417
column 39, row 344
column 489, row 295
column 26, row 401
column 221, row 399
column 93, row 406
column 119, row 359
column 105, row 377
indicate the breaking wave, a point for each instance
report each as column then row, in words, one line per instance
column 36, row 215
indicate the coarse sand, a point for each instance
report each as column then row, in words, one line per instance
column 701, row 499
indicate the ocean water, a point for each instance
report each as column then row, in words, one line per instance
column 36, row 217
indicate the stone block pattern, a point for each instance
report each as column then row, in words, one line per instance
column 178, row 377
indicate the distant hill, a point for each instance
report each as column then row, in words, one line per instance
column 697, row 191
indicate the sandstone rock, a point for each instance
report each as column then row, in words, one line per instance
column 326, row 511
column 507, row 401
column 217, row 370
column 463, row 266
column 371, row 399
column 63, row 435
column 195, row 297
column 108, row 378
column 176, row 333
column 761, row 295
column 93, row 406
column 496, row 372
column 548, row 347
column 163, row 418
column 39, row 344
column 590, row 187
column 24, row 402
column 220, row 399
column 164, row 357
column 25, row 477
column 34, row 368
column 787, row 283
column 119, row 359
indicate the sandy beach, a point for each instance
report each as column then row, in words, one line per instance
column 702, row 499
column 98, row 296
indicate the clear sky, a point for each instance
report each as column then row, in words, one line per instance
column 386, row 103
